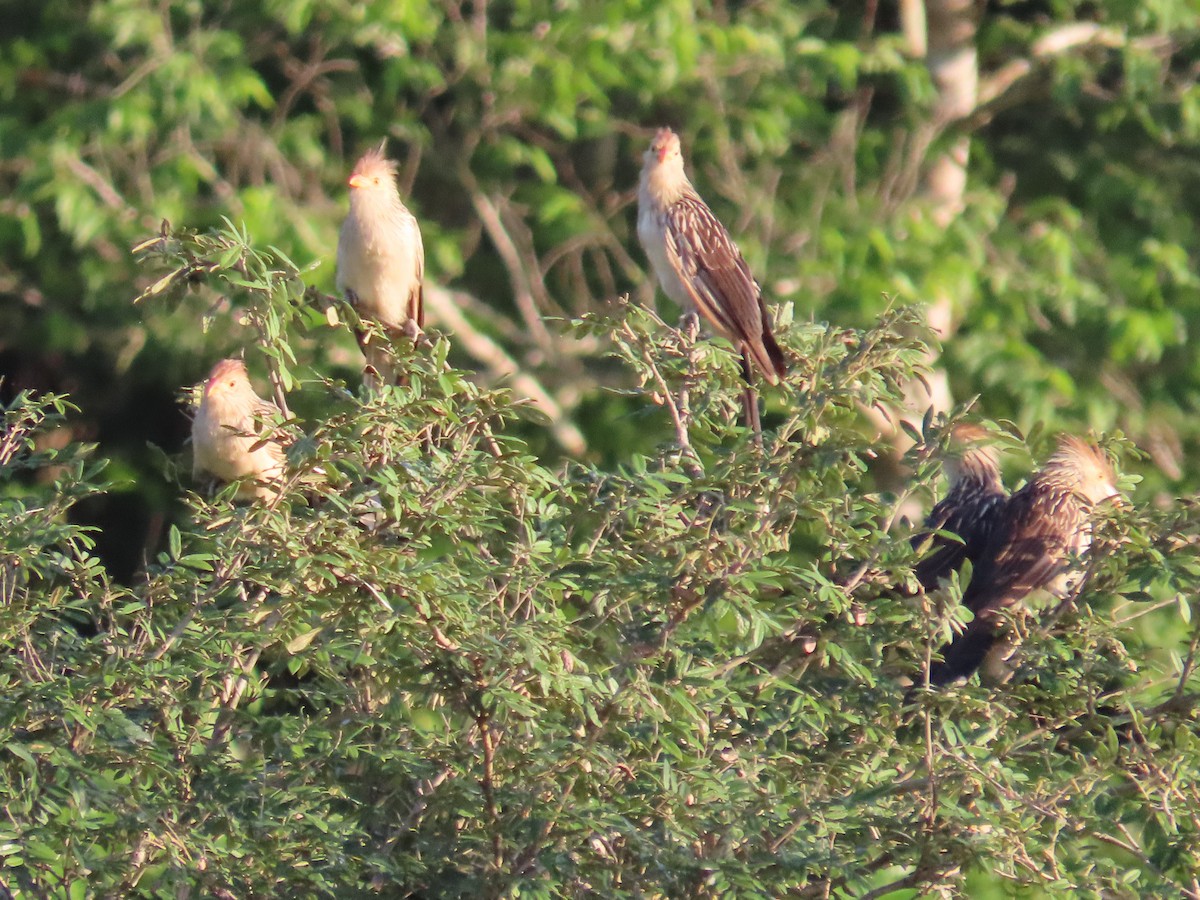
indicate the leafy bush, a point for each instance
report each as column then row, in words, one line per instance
column 604, row 645
column 440, row 667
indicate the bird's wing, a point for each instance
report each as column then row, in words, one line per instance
column 267, row 425
column 712, row 269
column 973, row 515
column 1027, row 550
column 416, row 298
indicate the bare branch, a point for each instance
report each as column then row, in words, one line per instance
column 443, row 306
column 523, row 282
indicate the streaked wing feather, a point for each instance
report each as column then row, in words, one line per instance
column 1026, row 553
column 973, row 515
column 416, row 300
column 714, row 272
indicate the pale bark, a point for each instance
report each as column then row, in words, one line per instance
column 947, row 41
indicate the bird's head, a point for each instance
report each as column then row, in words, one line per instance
column 664, row 148
column 1086, row 468
column 227, row 378
column 970, row 455
column 373, row 172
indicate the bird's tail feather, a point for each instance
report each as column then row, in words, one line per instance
column 770, row 358
column 750, row 400
column 966, row 653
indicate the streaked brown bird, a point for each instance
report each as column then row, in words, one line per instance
column 232, row 438
column 698, row 264
column 1044, row 526
column 381, row 260
column 972, row 508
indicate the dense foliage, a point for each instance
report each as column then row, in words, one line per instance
column 599, row 643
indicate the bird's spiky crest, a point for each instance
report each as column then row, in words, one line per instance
column 1084, row 467
column 374, row 164
column 664, row 141
column 970, row 455
column 1075, row 451
column 966, row 433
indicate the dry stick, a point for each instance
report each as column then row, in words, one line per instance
column 1189, row 662
column 231, row 699
column 8, row 583
column 501, row 365
column 522, row 283
column 421, row 340
column 424, row 791
column 993, row 89
column 912, row 879
column 232, row 689
column 221, row 578
column 678, row 407
column 797, row 630
column 487, row 738
column 1141, row 610
column 444, row 305
column 632, row 659
column 679, row 411
column 1050, row 813
column 932, row 805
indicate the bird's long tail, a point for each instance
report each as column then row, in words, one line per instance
column 965, row 653
column 769, row 357
column 750, row 399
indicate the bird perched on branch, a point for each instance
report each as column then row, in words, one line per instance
column 232, row 438
column 971, row 509
column 1043, row 527
column 700, row 267
column 381, row 261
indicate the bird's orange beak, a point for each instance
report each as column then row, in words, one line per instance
column 662, row 152
column 357, row 181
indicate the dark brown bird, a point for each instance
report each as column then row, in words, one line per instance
column 1043, row 526
column 971, row 509
column 698, row 264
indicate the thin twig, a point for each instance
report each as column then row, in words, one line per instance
column 488, row 781
column 500, row 365
column 522, row 281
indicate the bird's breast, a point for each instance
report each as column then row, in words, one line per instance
column 652, row 232
column 223, row 445
column 383, row 272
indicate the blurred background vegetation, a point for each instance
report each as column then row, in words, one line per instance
column 1062, row 271
column 1026, row 172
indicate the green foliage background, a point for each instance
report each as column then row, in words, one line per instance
column 481, row 661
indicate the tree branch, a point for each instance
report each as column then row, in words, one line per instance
column 444, row 308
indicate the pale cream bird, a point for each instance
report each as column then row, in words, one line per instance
column 381, row 260
column 696, row 261
column 232, row 435
column 1043, row 527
